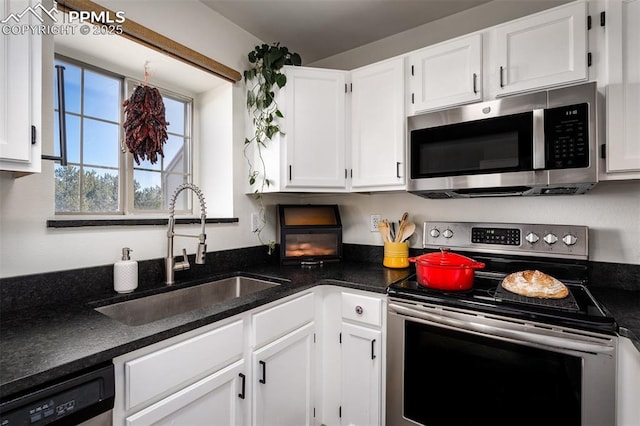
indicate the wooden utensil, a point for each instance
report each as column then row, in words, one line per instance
column 408, row 231
column 403, row 224
column 385, row 230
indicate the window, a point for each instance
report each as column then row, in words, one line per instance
column 101, row 176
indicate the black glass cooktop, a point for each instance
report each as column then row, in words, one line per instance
column 580, row 310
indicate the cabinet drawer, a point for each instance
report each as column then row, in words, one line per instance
column 282, row 319
column 163, row 370
column 362, row 309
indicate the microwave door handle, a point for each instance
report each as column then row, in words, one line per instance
column 538, row 140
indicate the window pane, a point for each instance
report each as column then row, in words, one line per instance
column 174, row 114
column 146, row 164
column 101, row 96
column 100, row 190
column 72, row 80
column 172, row 181
column 147, row 190
column 73, row 137
column 100, row 143
column 67, row 188
column 174, row 151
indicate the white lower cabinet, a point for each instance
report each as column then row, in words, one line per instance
column 283, row 380
column 215, row 400
column 195, row 378
column 314, row 358
column 353, row 357
column 361, row 375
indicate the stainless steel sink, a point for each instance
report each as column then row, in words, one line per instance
column 152, row 308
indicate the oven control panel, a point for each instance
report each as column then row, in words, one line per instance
column 500, row 236
column 569, row 241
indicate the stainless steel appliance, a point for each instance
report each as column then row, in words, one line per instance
column 86, row 398
column 489, row 357
column 532, row 144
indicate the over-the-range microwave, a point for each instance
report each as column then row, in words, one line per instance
column 532, row 144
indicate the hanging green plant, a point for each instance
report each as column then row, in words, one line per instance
column 263, row 78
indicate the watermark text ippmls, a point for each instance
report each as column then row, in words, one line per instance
column 38, row 20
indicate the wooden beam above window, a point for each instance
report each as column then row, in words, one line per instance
column 154, row 40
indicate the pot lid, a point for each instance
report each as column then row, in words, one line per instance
column 445, row 258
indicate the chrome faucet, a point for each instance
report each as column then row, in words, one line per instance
column 170, row 264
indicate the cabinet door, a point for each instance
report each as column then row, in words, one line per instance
column 623, row 90
column 449, row 73
column 545, row 49
column 216, row 400
column 20, row 90
column 377, row 136
column 314, row 126
column 361, row 375
column 282, row 382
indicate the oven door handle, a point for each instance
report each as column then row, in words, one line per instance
column 489, row 330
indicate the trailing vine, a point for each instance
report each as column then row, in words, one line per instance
column 262, row 79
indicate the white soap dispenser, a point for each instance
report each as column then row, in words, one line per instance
column 125, row 273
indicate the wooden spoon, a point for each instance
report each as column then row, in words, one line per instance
column 408, row 231
column 384, row 230
column 403, row 224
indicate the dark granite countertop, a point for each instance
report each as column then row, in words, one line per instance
column 42, row 343
column 624, row 305
column 49, row 329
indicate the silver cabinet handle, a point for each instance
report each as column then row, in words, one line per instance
column 475, row 83
column 501, row 77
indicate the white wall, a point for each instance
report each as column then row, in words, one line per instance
column 611, row 210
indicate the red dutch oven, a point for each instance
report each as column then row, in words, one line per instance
column 445, row 270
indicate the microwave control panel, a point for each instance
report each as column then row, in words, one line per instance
column 566, row 131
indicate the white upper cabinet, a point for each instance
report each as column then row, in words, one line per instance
column 542, row 50
column 377, row 126
column 310, row 153
column 314, row 108
column 21, row 76
column 622, row 39
column 446, row 74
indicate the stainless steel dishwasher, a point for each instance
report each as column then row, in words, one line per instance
column 84, row 398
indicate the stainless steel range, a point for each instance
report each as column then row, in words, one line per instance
column 488, row 356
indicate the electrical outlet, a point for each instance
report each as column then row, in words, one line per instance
column 255, row 222
column 373, row 222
